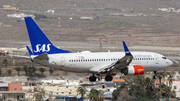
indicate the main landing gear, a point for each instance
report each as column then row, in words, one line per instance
column 107, row 78
column 92, row 78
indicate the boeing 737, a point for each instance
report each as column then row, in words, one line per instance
column 98, row 63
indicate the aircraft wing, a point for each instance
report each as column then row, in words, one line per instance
column 120, row 64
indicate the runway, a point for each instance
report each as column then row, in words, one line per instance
column 75, row 46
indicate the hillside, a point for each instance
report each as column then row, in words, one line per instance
column 135, row 30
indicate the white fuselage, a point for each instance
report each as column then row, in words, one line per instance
column 88, row 62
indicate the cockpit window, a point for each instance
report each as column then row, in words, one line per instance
column 164, row 57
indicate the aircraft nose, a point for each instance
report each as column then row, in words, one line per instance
column 170, row 62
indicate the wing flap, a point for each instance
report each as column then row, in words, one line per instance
column 98, row 68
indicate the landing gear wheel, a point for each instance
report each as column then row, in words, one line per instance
column 155, row 77
column 108, row 78
column 92, row 78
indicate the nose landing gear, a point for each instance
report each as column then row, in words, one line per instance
column 155, row 75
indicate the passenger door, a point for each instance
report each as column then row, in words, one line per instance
column 62, row 62
column 156, row 59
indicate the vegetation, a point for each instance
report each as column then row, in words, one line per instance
column 81, row 91
column 51, row 71
column 142, row 88
column 170, row 79
column 18, row 69
column 40, row 95
column 0, row 72
column 25, row 69
column 39, row 16
column 31, row 71
column 121, row 93
column 2, row 54
column 37, row 96
column 95, row 95
column 5, row 61
column 160, row 76
column 9, row 72
column 42, row 70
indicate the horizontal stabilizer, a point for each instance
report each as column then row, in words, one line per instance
column 22, row 56
column 42, row 56
column 29, row 51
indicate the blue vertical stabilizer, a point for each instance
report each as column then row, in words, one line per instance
column 39, row 42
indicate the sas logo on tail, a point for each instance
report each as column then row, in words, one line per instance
column 42, row 48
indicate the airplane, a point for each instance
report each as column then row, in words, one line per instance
column 97, row 63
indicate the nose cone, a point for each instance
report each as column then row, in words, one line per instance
column 170, row 62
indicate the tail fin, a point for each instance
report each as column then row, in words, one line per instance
column 39, row 42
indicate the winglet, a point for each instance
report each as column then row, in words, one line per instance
column 29, row 51
column 126, row 49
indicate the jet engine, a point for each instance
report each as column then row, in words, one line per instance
column 133, row 70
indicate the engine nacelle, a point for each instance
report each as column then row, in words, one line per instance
column 133, row 70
